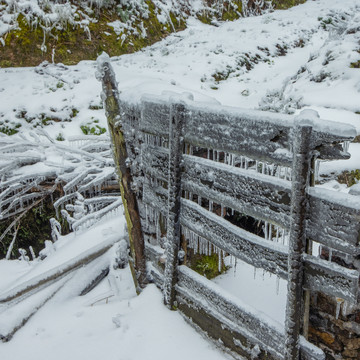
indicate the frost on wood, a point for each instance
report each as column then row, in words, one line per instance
column 178, row 117
column 236, row 160
column 123, row 168
column 301, row 171
column 254, row 194
column 233, row 240
column 335, row 220
column 27, row 288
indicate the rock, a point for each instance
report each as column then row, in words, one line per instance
column 353, row 344
column 353, row 354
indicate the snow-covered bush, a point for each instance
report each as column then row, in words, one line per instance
column 276, row 101
column 82, row 174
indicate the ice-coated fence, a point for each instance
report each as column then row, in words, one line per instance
column 193, row 166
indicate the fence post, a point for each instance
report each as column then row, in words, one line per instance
column 176, row 145
column 300, row 181
column 113, row 114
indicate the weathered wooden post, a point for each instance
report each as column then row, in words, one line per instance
column 176, row 144
column 300, row 182
column 113, row 114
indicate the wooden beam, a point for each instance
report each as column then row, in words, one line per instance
column 334, row 220
column 178, row 117
column 240, row 243
column 121, row 156
column 261, row 196
column 300, row 182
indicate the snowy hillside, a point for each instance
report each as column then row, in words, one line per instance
column 52, row 124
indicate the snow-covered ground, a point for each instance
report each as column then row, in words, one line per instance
column 111, row 321
column 283, row 61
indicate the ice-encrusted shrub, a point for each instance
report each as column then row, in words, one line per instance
column 276, row 101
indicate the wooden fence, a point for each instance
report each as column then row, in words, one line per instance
column 187, row 159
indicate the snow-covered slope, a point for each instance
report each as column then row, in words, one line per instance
column 285, row 61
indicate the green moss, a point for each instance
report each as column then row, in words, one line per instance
column 231, row 13
column 9, row 128
column 74, row 112
column 91, row 129
column 286, row 4
column 60, row 137
column 355, row 65
column 207, row 266
column 349, row 178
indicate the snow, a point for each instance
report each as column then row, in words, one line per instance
column 246, row 283
column 122, row 327
column 102, row 323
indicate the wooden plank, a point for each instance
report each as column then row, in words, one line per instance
column 155, row 161
column 155, row 196
column 14, row 317
column 258, row 327
column 319, row 274
column 178, row 118
column 260, row 196
column 27, row 288
column 331, row 279
column 121, row 158
column 257, row 134
column 246, row 246
column 252, row 133
column 334, row 220
column 155, row 254
column 297, row 242
column 238, row 326
column 155, row 116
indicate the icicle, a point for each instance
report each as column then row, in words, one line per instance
column 254, row 273
column 277, row 234
column 146, row 217
column 208, row 154
column 210, row 205
column 222, row 210
column 256, row 166
column 277, row 284
column 286, row 173
column 220, row 260
column 330, row 254
column 339, row 301
column 344, row 308
column 270, row 232
column 246, row 163
column 199, row 200
column 263, row 167
column 266, row 230
column 32, row 252
column 232, row 212
column 317, row 170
